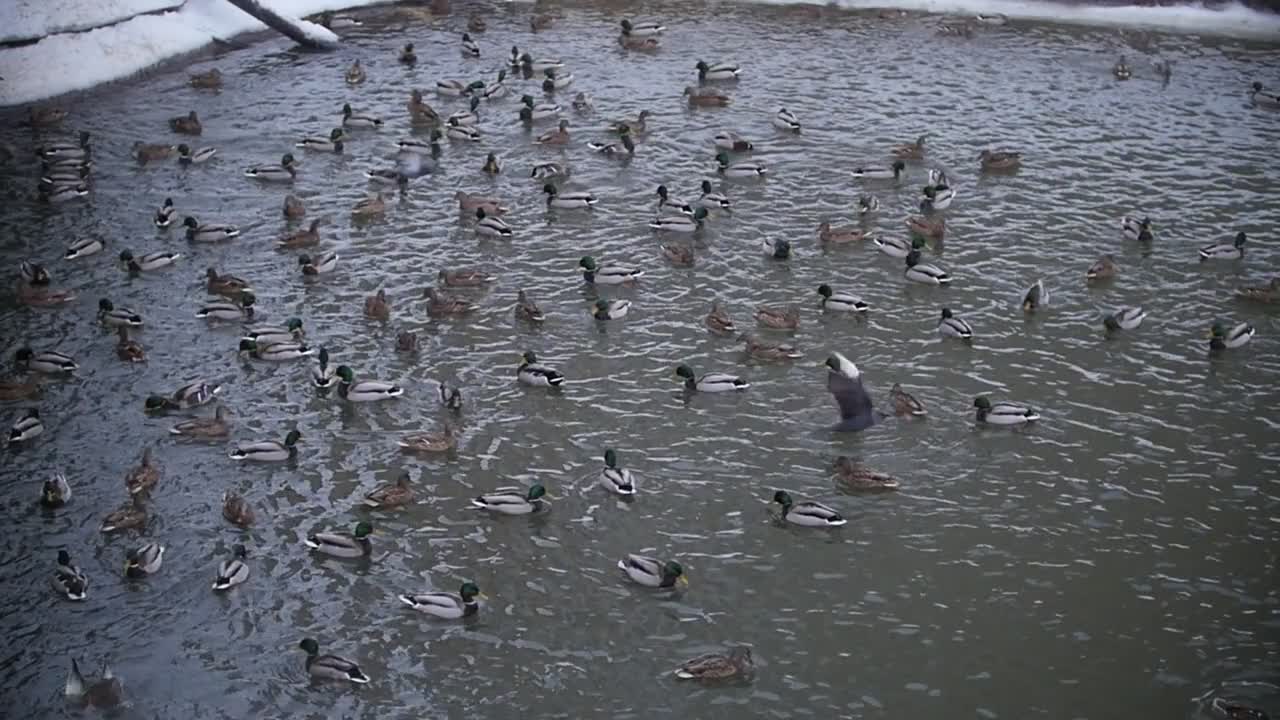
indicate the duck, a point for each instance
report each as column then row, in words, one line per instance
column 511, row 502
column 68, row 580
column 924, row 273
column 844, row 382
column 639, row 43
column 624, row 148
column 680, row 223
column 870, row 172
column 85, row 246
column 208, row 80
column 841, row 301
column 188, row 124
column 333, row 142
column 807, row 513
column 717, row 666
column 17, row 390
column 771, row 352
column 323, row 263
column 706, row 97
column 373, row 205
column 610, row 309
column 786, row 121
column 654, row 573
column 392, row 494
column 269, row 450
column 1222, row 338
column 209, row 232
column 711, row 382
column 678, row 254
column 567, row 200
column 274, row 351
column 527, row 309
column 330, row 667
column 228, row 285
column 1121, row 70
column 549, row 170
column 467, row 118
column 451, row 399
column 1003, row 413
column 531, row 112
column 668, row 202
column 468, row 202
column 491, row 165
column 594, row 274
column 718, row 319
column 63, row 193
column 778, row 318
column 236, row 510
column 284, row 172
column 999, row 160
column 447, row 606
column 1126, row 318
column 842, row 235
column 352, row 119
column 712, row 200
column 1137, row 230
column 740, row 169
column 131, row 516
column 377, row 307
column 147, row 262
column 910, row 151
column 926, row 228
column 937, row 197
column 717, row 71
column 991, row 18
column 491, row 225
column 407, row 55
column 365, row 390
column 233, row 571
column 1268, row 293
column 464, row 278
column 1036, row 297
column 110, row 316
column 127, row 349
column 322, row 375
column 440, row 303
column 850, row 476
column 951, row 326
column 105, row 693
column 265, row 335
column 302, row 238
column 904, row 403
column 388, row 176
column 614, row 479
column 469, row 47
column 732, row 141
column 241, row 309
column 1237, row 711
column 144, row 560
column 476, row 23
column 55, row 492
column 642, row 29
column 777, row 249
column 558, row 136
column 531, row 65
column 48, row 362
column 198, row 156
column 78, row 150
column 457, row 88
column 151, row 152
column 531, row 372
column 431, row 442
column 421, row 114
column 1103, row 268
column 582, row 102
column 553, row 80
column 636, row 126
column 1265, row 99
column 204, row 428
column 1224, row 251
column 191, row 395
column 355, row 74
column 144, row 476
column 52, row 178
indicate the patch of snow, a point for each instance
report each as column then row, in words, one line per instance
column 32, row 19
column 67, row 62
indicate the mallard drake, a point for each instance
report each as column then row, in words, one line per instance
column 457, row 88
column 594, row 274
column 191, row 395
column 624, row 148
column 951, row 326
column 151, row 152
column 1121, row 70
column 740, row 169
column 110, row 316
column 447, row 605
column 1103, row 268
column 841, row 301
column 1224, row 251
column 718, row 319
column 531, row 372
column 807, row 513
column 469, row 47
column 353, row 119
column 680, row 223
column 128, row 517
column 62, row 150
column 870, row 172
column 331, row 667
column 60, row 177
column 355, row 73
column 433, row 442
column 610, row 309
column 293, row 207
column 937, row 197
column 732, row 141
column 717, row 71
column 531, row 65
column 83, row 247
column 148, row 261
column 1268, row 293
column 392, row 494
column 208, row 232
column 198, row 156
column 711, row 382
column 904, row 403
column 1036, row 297
column 68, row 580
column 491, row 165
column 322, row 263
column 265, row 335
column 1128, row 318
column 1137, row 230
column 553, row 80
column 527, row 309
column 712, row 200
column 45, row 361
column 236, row 509
column 55, row 492
column 333, row 142
column 1221, row 338
column 491, row 226
column 531, row 111
column 106, row 693
column 1264, row 99
column 641, row 29
column 144, row 476
column 228, row 285
column 63, row 193
column 924, row 273
column 407, row 55
column 558, row 136
column 778, row 318
column 910, row 151
column 654, row 573
column 568, row 200
column 274, row 351
column 388, row 176
column 706, row 97
column 188, row 124
column 844, row 382
column 842, row 235
column 778, row 249
column 771, row 352
column 717, row 666
column 440, row 303
column 377, row 307
column 1003, row 413
column 991, row 18
column 269, row 450
column 144, row 560
column 670, row 203
column 512, row 502
column 284, row 172
column 322, row 375
column 786, row 121
column 365, row 390
column 851, row 476
column 127, row 349
column 548, row 171
column 207, row 428
column 466, row 118
column 370, row 206
column 450, row 398
column 998, row 160
column 233, row 571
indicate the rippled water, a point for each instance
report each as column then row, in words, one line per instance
column 1121, row 554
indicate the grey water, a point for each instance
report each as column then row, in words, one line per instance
column 1118, row 558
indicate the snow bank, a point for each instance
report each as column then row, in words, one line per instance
column 33, row 19
column 66, row 62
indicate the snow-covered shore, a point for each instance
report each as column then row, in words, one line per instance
column 69, row 61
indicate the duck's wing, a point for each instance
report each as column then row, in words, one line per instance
column 856, row 412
